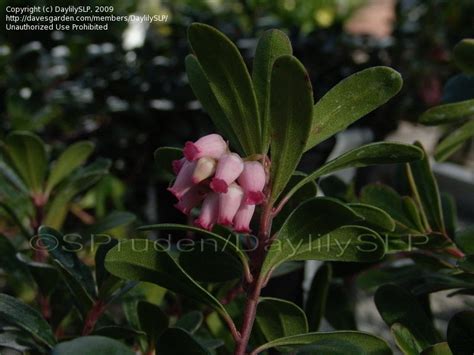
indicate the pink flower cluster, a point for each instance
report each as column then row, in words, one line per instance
column 228, row 187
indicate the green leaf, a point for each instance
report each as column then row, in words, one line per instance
column 82, row 179
column 164, row 157
column 225, row 244
column 454, row 141
column 405, row 340
column 312, row 232
column 448, row 113
column 397, row 305
column 374, row 216
column 458, row 88
column 230, row 82
column 153, row 321
column 351, row 99
column 448, row 204
column 371, row 154
column 73, row 157
column 465, row 239
column 467, row 264
column 92, row 345
column 190, row 321
column 11, row 176
column 271, row 45
column 461, row 333
column 334, row 343
column 204, row 261
column 279, row 318
column 28, row 155
column 291, row 107
column 464, row 55
column 19, row 314
column 340, row 312
column 203, row 91
column 317, row 296
column 179, row 341
column 45, row 275
column 426, row 192
column 17, row 340
column 148, row 261
column 437, row 349
column 113, row 220
column 76, row 274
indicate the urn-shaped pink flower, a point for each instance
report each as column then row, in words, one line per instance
column 184, row 180
column 191, row 198
column 229, row 203
column 177, row 165
column 243, row 217
column 205, row 168
column 252, row 181
column 229, row 167
column 212, row 145
column 209, row 212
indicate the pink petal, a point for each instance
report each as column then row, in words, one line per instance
column 243, row 217
column 209, row 212
column 177, row 165
column 253, row 180
column 229, row 167
column 191, row 199
column 229, row 204
column 212, row 145
column 184, row 180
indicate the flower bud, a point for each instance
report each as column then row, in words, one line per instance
column 212, row 145
column 205, row 168
column 229, row 203
column 229, row 167
column 252, row 181
column 177, row 165
column 184, row 180
column 191, row 198
column 243, row 217
column 209, row 212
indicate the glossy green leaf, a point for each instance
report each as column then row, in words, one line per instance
column 153, row 321
column 28, row 155
column 461, row 333
column 73, row 157
column 179, row 341
column 190, row 321
column 448, row 113
column 203, row 91
column 448, row 204
column 19, row 314
column 388, row 200
column 291, row 107
column 467, row 263
column 340, row 307
column 465, row 239
column 458, row 88
column 11, row 176
column 315, row 305
column 426, row 192
column 371, row 154
column 204, row 261
column 92, row 345
column 17, row 340
column 374, row 216
column 334, row 343
column 76, row 274
column 454, row 141
column 225, row 244
column 271, row 45
column 397, row 305
column 437, row 349
column 279, row 318
column 113, row 220
column 45, row 275
column 230, row 82
column 148, row 261
column 405, row 340
column 313, row 232
column 350, row 100
column 117, row 332
column 464, row 55
column 82, row 179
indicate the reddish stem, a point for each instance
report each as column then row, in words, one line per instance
column 92, row 317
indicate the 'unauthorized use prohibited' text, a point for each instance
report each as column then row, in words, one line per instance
column 69, row 18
